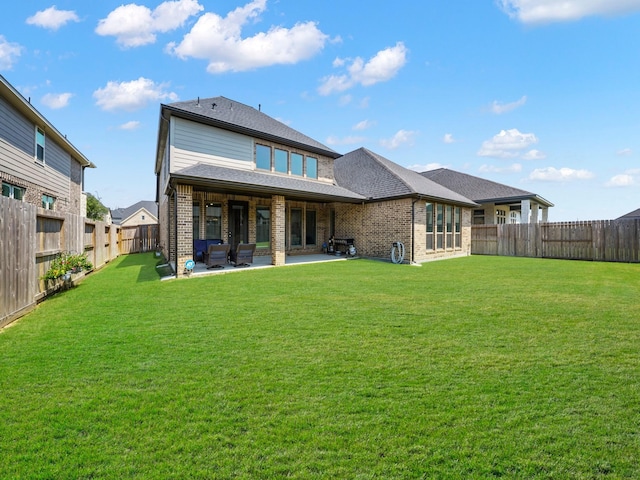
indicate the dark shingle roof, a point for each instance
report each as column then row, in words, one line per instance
column 630, row 215
column 478, row 189
column 242, row 118
column 118, row 215
column 236, row 180
column 377, row 178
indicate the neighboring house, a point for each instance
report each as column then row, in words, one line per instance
column 141, row 213
column 498, row 203
column 38, row 164
column 228, row 171
column 635, row 215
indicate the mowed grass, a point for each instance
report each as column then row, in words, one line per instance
column 476, row 367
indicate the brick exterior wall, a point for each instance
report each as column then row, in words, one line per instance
column 184, row 243
column 72, row 203
column 278, row 232
column 375, row 226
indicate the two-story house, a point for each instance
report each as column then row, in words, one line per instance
column 228, row 171
column 38, row 164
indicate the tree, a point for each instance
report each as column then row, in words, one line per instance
column 95, row 209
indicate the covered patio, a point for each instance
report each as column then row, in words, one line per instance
column 200, row 269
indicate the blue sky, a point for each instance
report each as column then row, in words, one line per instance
column 537, row 94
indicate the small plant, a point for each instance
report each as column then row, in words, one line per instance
column 66, row 262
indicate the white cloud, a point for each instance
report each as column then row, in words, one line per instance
column 382, row 67
column 52, row 18
column 9, row 53
column 630, row 178
column 534, row 155
column 546, row 11
column 551, row 174
column 424, row 168
column 499, row 108
column 448, row 138
column 132, row 95
column 136, row 25
column 349, row 140
column 131, row 125
column 507, row 144
column 513, row 168
column 56, row 100
column 363, row 125
column 219, row 40
column 402, row 137
column 625, row 152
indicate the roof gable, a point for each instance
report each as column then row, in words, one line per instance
column 377, row 178
column 119, row 215
column 238, row 117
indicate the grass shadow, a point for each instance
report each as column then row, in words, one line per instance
column 146, row 263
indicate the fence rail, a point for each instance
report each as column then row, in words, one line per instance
column 31, row 237
column 602, row 240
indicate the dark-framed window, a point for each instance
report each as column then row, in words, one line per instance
column 263, row 157
column 263, row 227
column 213, row 214
column 457, row 215
column 310, row 233
column 196, row 220
column 429, row 224
column 296, row 227
column 439, row 226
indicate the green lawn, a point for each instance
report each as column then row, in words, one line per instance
column 476, row 367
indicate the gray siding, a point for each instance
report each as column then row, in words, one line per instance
column 17, row 146
column 194, row 143
column 16, row 129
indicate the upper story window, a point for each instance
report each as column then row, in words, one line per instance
column 40, row 138
column 48, row 202
column 12, row 191
column 296, row 164
column 263, row 157
column 283, row 161
column 312, row 167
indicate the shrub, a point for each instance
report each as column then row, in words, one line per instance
column 67, row 262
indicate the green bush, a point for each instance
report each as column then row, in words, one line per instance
column 67, row 262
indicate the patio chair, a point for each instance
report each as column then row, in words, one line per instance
column 199, row 249
column 217, row 255
column 242, row 256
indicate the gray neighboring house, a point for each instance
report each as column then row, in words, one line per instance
column 38, row 165
column 141, row 213
column 635, row 215
column 499, row 203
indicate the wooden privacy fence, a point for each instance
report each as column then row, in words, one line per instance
column 602, row 240
column 31, row 237
column 138, row 239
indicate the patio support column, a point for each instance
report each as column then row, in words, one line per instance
column 534, row 213
column 525, row 211
column 278, row 231
column 545, row 214
column 184, row 242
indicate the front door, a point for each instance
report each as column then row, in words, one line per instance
column 238, row 223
